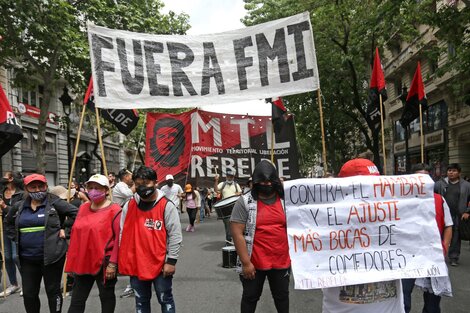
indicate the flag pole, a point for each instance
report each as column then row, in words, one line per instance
column 100, row 140
column 421, row 131
column 320, row 109
column 72, row 170
column 4, row 270
column 383, row 135
column 272, row 142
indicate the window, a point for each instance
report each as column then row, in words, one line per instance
column 50, row 142
column 31, row 97
column 451, row 52
column 435, row 117
column 26, row 141
column 399, row 133
column 397, row 87
column 414, row 126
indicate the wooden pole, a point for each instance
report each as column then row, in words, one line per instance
column 100, row 140
column 72, row 170
column 421, row 131
column 383, row 135
column 320, row 109
column 272, row 142
column 4, row 270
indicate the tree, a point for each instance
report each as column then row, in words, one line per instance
column 346, row 33
column 45, row 41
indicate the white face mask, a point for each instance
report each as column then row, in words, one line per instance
column 230, row 181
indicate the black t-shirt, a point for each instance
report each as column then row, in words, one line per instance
column 452, row 197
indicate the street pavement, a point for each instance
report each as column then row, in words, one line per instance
column 201, row 284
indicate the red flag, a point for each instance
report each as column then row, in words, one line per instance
column 279, row 114
column 124, row 120
column 416, row 96
column 10, row 131
column 376, row 88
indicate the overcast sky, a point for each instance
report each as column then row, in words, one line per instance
column 215, row 16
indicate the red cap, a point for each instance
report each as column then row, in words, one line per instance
column 34, row 177
column 359, row 167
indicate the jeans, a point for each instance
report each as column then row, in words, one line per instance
column 278, row 283
column 191, row 215
column 431, row 301
column 81, row 290
column 454, row 249
column 11, row 259
column 32, row 272
column 228, row 232
column 143, row 293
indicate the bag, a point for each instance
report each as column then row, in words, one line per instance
column 464, row 229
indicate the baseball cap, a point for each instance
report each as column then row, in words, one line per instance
column 61, row 192
column 99, row 179
column 188, row 188
column 168, row 177
column 357, row 167
column 34, row 177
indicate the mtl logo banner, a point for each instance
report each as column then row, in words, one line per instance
column 151, row 224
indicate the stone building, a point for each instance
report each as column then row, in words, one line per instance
column 446, row 124
column 22, row 157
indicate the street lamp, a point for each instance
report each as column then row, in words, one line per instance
column 66, row 104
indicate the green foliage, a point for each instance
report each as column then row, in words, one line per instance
column 346, row 33
column 46, row 41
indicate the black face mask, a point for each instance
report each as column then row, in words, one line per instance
column 3, row 181
column 265, row 189
column 170, row 183
column 145, row 192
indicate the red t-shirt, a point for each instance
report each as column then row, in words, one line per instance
column 270, row 247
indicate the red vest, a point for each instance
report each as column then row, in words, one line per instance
column 270, row 246
column 92, row 233
column 143, row 241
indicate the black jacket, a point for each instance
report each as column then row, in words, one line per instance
column 55, row 213
column 15, row 198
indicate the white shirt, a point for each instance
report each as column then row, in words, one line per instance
column 122, row 193
column 229, row 189
column 380, row 297
column 172, row 193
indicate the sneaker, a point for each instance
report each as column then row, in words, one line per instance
column 21, row 293
column 10, row 290
column 192, row 229
column 128, row 292
column 454, row 263
column 188, row 228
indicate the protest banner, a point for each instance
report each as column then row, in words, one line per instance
column 276, row 58
column 194, row 145
column 362, row 229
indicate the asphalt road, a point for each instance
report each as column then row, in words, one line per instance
column 201, row 284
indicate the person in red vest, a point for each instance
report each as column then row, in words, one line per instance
column 258, row 220
column 94, row 246
column 150, row 242
column 431, row 297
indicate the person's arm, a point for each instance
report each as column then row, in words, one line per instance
column 216, row 183
column 111, row 268
column 238, row 190
column 448, row 223
column 198, row 199
column 174, row 238
column 238, row 229
column 125, row 207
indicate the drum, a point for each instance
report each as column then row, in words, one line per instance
column 229, row 257
column 224, row 207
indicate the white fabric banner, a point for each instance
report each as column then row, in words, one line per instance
column 135, row 70
column 362, row 229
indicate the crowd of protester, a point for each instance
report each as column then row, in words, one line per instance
column 129, row 224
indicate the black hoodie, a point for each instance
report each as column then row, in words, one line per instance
column 265, row 171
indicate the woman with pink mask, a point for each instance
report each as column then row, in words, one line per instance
column 94, row 247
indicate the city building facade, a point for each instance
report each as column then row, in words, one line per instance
column 22, row 157
column 446, row 124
